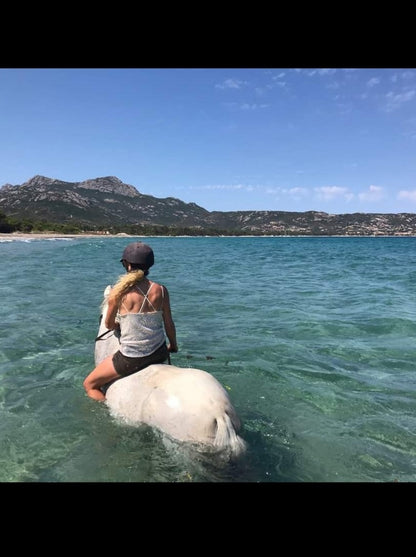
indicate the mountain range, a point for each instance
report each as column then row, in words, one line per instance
column 107, row 203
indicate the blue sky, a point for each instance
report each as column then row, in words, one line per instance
column 339, row 140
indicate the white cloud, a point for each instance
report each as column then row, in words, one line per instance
column 374, row 193
column 328, row 193
column 373, row 81
column 409, row 195
column 403, row 75
column 297, row 191
column 231, row 84
column 326, row 71
column 320, row 71
column 395, row 100
column 224, row 187
column 253, row 106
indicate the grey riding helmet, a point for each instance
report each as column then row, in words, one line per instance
column 138, row 253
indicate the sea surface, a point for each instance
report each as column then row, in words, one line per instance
column 314, row 339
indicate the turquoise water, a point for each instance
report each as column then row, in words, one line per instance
column 313, row 338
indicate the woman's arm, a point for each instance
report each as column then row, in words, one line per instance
column 168, row 322
column 110, row 320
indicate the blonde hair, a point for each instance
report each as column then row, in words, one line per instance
column 125, row 283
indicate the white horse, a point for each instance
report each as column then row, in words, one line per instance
column 187, row 404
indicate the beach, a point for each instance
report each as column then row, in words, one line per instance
column 51, row 235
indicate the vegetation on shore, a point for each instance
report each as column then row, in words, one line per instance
column 8, row 225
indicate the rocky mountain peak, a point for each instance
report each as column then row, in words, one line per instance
column 39, row 181
column 109, row 184
column 106, row 184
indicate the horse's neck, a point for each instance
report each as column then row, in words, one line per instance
column 105, row 344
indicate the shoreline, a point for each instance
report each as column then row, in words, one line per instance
column 51, row 235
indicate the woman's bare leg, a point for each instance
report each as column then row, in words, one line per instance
column 102, row 374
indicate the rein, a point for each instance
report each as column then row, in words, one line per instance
column 100, row 337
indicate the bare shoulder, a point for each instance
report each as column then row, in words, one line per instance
column 159, row 286
column 165, row 290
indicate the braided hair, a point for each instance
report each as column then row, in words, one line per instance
column 126, row 282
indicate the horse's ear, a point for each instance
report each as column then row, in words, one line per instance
column 107, row 291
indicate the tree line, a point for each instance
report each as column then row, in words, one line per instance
column 8, row 225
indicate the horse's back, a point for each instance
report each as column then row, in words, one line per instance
column 189, row 404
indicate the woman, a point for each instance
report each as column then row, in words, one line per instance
column 140, row 308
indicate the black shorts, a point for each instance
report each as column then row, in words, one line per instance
column 124, row 365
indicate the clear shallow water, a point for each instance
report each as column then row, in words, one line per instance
column 313, row 338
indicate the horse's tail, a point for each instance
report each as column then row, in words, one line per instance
column 227, row 437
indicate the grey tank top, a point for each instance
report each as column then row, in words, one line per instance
column 141, row 333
